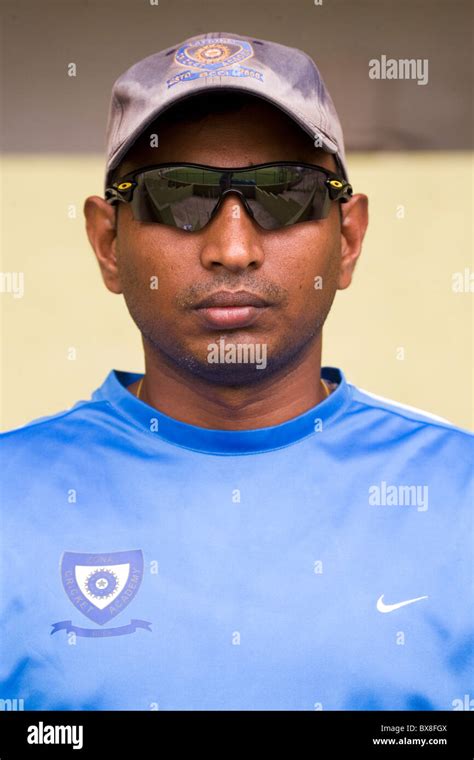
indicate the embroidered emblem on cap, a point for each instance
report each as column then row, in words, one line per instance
column 214, row 58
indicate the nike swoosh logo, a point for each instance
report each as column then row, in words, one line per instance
column 382, row 607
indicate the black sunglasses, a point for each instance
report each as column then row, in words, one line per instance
column 187, row 196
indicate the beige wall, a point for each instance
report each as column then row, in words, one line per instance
column 402, row 295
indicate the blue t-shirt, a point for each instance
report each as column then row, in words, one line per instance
column 322, row 563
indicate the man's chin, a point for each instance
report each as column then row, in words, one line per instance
column 237, row 365
column 225, row 361
column 228, row 374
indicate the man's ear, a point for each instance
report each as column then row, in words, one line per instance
column 355, row 218
column 101, row 218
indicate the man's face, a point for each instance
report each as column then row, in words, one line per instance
column 231, row 253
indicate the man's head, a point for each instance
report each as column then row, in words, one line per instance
column 164, row 272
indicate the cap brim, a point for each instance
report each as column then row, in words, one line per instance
column 324, row 141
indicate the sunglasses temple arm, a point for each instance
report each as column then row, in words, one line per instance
column 113, row 196
column 344, row 194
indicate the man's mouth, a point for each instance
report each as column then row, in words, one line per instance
column 231, row 309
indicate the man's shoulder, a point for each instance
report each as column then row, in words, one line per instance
column 53, row 425
column 408, row 417
column 85, row 413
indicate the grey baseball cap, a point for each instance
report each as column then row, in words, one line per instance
column 284, row 76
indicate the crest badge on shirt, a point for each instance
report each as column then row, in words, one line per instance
column 101, row 586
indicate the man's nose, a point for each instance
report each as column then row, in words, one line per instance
column 232, row 239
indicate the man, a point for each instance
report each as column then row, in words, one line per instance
column 238, row 528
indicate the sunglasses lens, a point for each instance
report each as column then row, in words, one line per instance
column 186, row 196
column 287, row 195
column 181, row 197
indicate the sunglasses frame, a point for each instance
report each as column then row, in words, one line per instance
column 338, row 188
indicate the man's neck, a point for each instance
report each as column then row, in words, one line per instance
column 190, row 399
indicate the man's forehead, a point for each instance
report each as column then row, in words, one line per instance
column 147, row 156
column 249, row 119
column 206, row 117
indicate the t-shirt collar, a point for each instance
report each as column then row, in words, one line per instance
column 222, row 442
